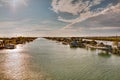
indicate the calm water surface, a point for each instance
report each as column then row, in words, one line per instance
column 48, row 60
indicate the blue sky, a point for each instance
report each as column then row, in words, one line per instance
column 59, row 17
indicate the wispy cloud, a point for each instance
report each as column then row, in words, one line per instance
column 85, row 9
column 24, row 27
column 74, row 7
column 104, row 28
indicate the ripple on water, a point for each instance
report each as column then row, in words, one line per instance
column 48, row 60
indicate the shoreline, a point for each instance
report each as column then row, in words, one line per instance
column 90, row 42
column 10, row 43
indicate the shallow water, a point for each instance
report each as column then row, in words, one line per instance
column 48, row 60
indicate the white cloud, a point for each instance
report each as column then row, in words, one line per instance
column 23, row 27
column 74, row 8
column 83, row 9
column 104, row 28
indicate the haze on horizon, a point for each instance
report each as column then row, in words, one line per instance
column 59, row 18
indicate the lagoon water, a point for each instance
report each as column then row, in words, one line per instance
column 48, row 60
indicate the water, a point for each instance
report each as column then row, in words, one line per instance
column 48, row 60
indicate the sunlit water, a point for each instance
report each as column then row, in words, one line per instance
column 48, row 60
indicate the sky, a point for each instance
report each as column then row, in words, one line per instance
column 62, row 18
